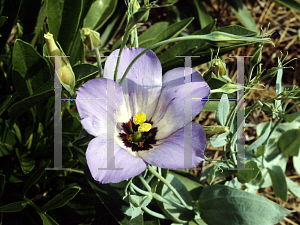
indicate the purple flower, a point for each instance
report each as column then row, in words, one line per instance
column 149, row 117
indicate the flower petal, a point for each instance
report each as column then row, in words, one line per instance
column 91, row 102
column 170, row 154
column 143, row 83
column 96, row 156
column 170, row 113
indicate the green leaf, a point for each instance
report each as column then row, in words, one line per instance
column 61, row 199
column 222, row 110
column 114, row 24
column 288, row 144
column 7, row 140
column 279, row 182
column 151, row 33
column 293, row 187
column 30, row 69
column 99, row 13
column 237, row 30
column 20, row 107
column 77, row 52
column 84, row 71
column 8, row 101
column 136, row 202
column 13, row 207
column 63, row 21
column 34, row 178
column 220, row 140
column 27, row 164
column 292, row 4
column 191, row 183
column 245, row 176
column 172, row 31
column 47, row 220
column 263, row 137
column 243, row 15
column 288, row 118
column 184, row 47
column 213, row 104
column 204, row 16
column 223, row 205
column 278, row 87
column 2, row 20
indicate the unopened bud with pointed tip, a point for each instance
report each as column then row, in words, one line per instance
column 67, row 77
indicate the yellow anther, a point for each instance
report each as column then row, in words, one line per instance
column 145, row 127
column 139, row 119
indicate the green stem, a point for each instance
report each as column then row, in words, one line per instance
column 170, row 187
column 155, row 214
column 98, row 58
column 167, row 201
column 191, row 37
column 145, row 183
column 126, row 35
column 146, row 193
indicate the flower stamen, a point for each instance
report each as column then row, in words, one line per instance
column 139, row 119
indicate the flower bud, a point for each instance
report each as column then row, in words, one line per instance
column 218, row 38
column 67, row 77
column 219, row 68
column 92, row 38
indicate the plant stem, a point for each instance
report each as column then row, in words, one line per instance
column 145, row 183
column 98, row 57
column 146, row 193
column 170, row 187
column 167, row 201
column 155, row 214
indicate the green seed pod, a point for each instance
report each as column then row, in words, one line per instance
column 219, row 68
column 92, row 38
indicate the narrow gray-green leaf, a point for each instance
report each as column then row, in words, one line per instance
column 293, row 187
column 279, row 182
column 222, row 110
column 204, row 16
column 264, row 135
column 242, row 13
column 296, row 163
